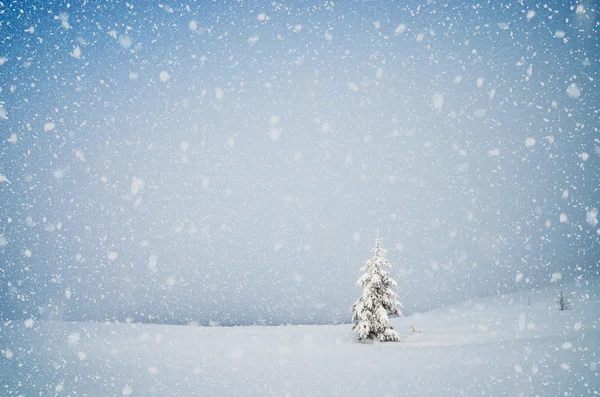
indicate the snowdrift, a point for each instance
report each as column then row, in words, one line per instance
column 512, row 345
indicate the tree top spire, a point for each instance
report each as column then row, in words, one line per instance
column 378, row 250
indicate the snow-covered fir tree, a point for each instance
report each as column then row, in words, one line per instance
column 370, row 313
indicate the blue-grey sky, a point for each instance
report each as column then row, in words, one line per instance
column 231, row 161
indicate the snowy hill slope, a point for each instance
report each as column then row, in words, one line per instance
column 512, row 345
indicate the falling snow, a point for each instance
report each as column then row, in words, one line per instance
column 164, row 76
column 437, row 100
column 179, row 179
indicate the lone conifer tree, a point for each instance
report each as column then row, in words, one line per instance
column 563, row 302
column 378, row 301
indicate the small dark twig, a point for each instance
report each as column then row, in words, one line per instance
column 563, row 302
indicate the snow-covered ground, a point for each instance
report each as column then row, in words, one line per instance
column 512, row 345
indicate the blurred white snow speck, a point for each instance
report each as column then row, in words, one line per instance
column 79, row 155
column 125, row 41
column 112, row 256
column 400, row 29
column 58, row 174
column 480, row 113
column 73, row 338
column 274, row 120
column 64, row 20
column 519, row 277
column 556, row 276
column 193, row 25
column 530, row 14
column 184, row 146
column 164, row 76
column 3, row 242
column 29, row 323
column 152, row 261
column 437, row 100
column 494, row 152
column 137, row 184
column 592, row 217
column 76, row 52
column 219, row 93
column 563, row 218
column 274, row 134
column 127, row 390
column 49, row 126
column 352, row 86
column 521, row 321
column 12, row 138
column 573, row 91
column 530, row 142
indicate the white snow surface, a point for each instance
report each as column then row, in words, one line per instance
column 512, row 345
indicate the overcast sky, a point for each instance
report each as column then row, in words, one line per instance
column 233, row 161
